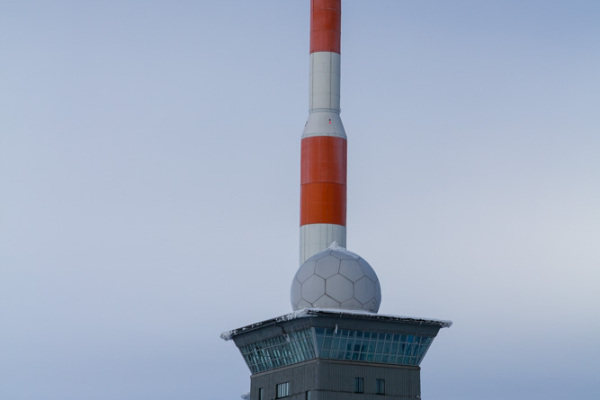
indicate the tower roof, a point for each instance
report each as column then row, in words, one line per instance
column 337, row 314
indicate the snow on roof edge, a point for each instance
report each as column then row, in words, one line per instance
column 308, row 312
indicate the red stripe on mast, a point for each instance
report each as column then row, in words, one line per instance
column 323, row 181
column 325, row 25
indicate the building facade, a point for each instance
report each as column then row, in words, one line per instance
column 319, row 354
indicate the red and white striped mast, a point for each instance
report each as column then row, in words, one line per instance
column 323, row 157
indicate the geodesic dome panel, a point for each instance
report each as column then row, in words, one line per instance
column 336, row 278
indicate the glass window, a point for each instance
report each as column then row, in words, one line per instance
column 380, row 386
column 308, row 395
column 283, row 390
column 260, row 394
column 376, row 347
column 280, row 351
column 359, row 385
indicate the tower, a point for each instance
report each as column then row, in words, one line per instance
column 334, row 345
column 324, row 144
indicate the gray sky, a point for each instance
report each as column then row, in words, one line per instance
column 149, row 189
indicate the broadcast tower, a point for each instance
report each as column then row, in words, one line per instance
column 334, row 346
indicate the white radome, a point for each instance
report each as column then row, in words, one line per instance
column 336, row 278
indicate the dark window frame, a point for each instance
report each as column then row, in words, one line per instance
column 282, row 390
column 380, row 386
column 359, row 385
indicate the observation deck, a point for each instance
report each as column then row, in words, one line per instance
column 303, row 349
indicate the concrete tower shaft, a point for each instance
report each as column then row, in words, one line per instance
column 324, row 145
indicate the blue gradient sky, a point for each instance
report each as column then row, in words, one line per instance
column 149, row 189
